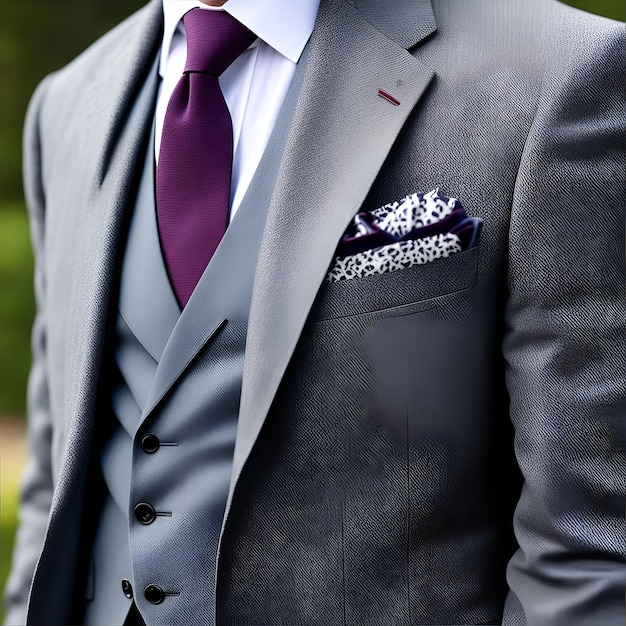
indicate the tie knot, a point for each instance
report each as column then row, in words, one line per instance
column 214, row 40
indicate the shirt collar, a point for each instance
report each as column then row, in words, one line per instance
column 285, row 25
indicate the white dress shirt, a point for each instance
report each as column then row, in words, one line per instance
column 255, row 85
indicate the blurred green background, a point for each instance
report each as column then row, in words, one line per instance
column 37, row 37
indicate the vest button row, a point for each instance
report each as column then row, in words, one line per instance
column 154, row 594
column 145, row 513
column 150, row 443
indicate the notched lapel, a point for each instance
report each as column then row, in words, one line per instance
column 340, row 137
column 407, row 22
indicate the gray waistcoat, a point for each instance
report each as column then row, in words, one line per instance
column 167, row 463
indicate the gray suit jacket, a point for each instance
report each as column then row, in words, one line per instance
column 437, row 445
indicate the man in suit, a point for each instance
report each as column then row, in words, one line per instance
column 438, row 442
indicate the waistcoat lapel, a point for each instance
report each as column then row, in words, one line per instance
column 147, row 305
column 145, row 286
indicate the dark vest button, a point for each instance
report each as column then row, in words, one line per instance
column 144, row 513
column 150, row 443
column 127, row 588
column 154, row 594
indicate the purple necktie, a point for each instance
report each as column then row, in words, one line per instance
column 196, row 154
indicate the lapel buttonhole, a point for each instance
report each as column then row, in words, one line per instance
column 388, row 97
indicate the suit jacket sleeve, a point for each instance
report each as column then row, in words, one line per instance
column 564, row 345
column 37, row 481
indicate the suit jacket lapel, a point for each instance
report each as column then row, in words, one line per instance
column 119, row 114
column 119, row 111
column 341, row 134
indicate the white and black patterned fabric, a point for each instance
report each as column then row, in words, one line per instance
column 420, row 228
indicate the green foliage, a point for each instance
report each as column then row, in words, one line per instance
column 16, row 308
column 615, row 9
column 36, row 38
column 8, row 524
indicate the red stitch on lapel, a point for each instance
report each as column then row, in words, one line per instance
column 388, row 97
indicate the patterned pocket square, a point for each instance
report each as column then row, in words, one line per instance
column 417, row 229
